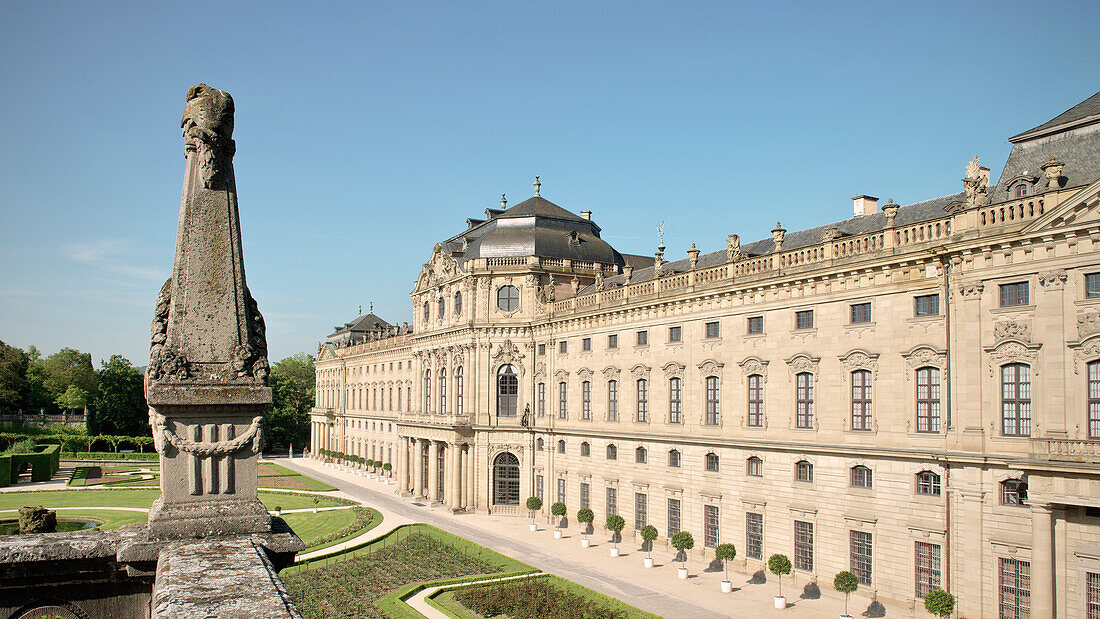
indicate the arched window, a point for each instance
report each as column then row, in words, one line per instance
column 1016, row 399
column 643, row 400
column 674, row 458
column 427, row 312
column 458, row 303
column 754, row 467
column 861, row 400
column 458, row 390
column 640, row 455
column 928, row 399
column 508, row 298
column 1094, row 399
column 612, row 452
column 756, row 400
column 586, row 449
column 861, row 476
column 804, row 399
column 561, row 447
column 540, row 444
column 612, row 400
column 928, row 483
column 586, row 400
column 442, row 307
column 505, row 479
column 1014, row 492
column 712, row 400
column 427, row 391
column 443, row 391
column 507, row 391
column 711, row 461
column 675, row 401
column 804, row 471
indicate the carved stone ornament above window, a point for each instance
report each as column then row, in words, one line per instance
column 754, row 365
column 584, row 373
column 507, row 352
column 1012, row 351
column 1088, row 323
column 640, row 371
column 440, row 267
column 673, row 370
column 925, row 356
column 540, row 369
column 803, row 362
column 860, row 360
column 611, row 373
column 530, row 281
column 1085, row 352
column 971, row 290
column 710, row 367
column 1053, row 280
column 1012, row 330
column 561, row 374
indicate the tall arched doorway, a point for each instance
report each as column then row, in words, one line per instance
column 507, row 390
column 506, row 479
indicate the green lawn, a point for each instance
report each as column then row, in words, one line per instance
column 124, row 497
column 290, row 500
column 112, row 519
column 445, row 600
column 309, row 525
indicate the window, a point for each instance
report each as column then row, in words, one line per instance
column 612, row 502
column 641, row 503
column 754, row 535
column 612, row 400
column 927, row 305
column 711, row 461
column 640, row 455
column 674, row 458
column 1015, row 593
column 442, row 307
column 540, row 444
column 586, row 449
column 756, row 400
column 675, row 334
column 586, row 400
column 928, row 483
column 754, row 467
column 427, row 312
column 643, row 400
column 860, row 551
column 804, row 319
column 1016, row 399
column 613, row 341
column 507, row 390
column 712, row 331
column 643, row 338
column 927, row 567
column 928, row 399
column 542, row 350
column 1021, row 190
column 612, row 452
column 861, row 400
column 561, row 447
column 563, row 348
column 1092, row 595
column 585, row 500
column 1014, row 492
column 804, row 471
column 803, row 546
column 542, row 399
column 712, row 400
column 561, row 490
column 1094, row 399
column 710, row 526
column 1014, row 294
column 755, row 326
column 508, row 298
column 562, row 414
column 443, row 391
column 427, row 390
column 861, row 477
column 458, row 303
column 861, row 312
column 804, row 392
column 1092, row 285
column 675, row 400
column 586, row 344
column 673, row 517
column 538, row 487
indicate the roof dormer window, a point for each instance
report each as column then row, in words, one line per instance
column 1020, row 190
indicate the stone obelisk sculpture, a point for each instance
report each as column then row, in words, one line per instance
column 206, row 380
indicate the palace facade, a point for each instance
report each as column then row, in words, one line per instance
column 911, row 394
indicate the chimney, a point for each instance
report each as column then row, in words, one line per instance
column 864, row 205
column 587, row 215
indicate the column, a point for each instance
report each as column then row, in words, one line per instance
column 418, row 468
column 403, row 466
column 454, row 476
column 433, row 471
column 464, row 490
column 1042, row 557
column 471, row 481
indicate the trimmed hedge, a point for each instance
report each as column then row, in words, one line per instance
column 110, row 455
column 44, row 463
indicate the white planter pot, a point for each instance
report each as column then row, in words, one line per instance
column 845, row 617
column 557, row 533
column 648, row 562
column 533, row 527
column 727, row 586
column 614, row 552
column 780, row 601
column 585, row 543
column 278, row 512
column 682, row 573
column 315, row 510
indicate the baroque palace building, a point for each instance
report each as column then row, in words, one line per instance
column 912, row 394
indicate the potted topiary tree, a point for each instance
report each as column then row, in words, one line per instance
column 726, row 553
column 315, row 502
column 615, row 524
column 779, row 565
column 585, row 517
column 683, row 542
column 278, row 510
column 649, row 533
column 387, row 468
column 939, row 602
column 846, row 583
column 369, row 464
column 534, row 504
column 558, row 510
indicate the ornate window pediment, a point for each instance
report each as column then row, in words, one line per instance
column 1084, row 352
column 754, row 365
column 584, row 373
column 439, row 268
column 640, row 371
column 1013, row 351
column 924, row 356
column 508, row 353
column 860, row 360
column 561, row 374
column 611, row 373
column 1088, row 323
column 540, row 370
column 710, row 367
column 803, row 362
column 673, row 370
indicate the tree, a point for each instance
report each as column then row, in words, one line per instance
column 649, row 533
column 558, row 510
column 585, row 516
column 846, row 583
column 69, row 366
column 939, row 602
column 683, row 542
column 615, row 524
column 13, row 377
column 725, row 553
column 120, row 406
column 534, row 504
column 74, row 398
column 779, row 565
column 37, row 397
column 292, row 383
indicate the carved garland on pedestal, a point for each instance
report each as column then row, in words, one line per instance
column 254, row 434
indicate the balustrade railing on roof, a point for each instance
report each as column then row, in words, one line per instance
column 396, row 341
column 1001, row 214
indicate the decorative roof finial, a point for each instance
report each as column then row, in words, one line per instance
column 360, row 311
column 537, row 184
column 503, row 202
column 661, row 237
column 372, row 307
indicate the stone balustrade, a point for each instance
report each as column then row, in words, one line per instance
column 1069, row 450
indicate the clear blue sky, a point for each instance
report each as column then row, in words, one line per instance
column 368, row 131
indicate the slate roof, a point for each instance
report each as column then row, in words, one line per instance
column 538, row 205
column 366, row 322
column 1089, row 108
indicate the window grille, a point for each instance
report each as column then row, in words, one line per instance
column 754, row 535
column 927, row 568
column 640, row 504
column 804, row 546
column 673, row 517
column 1015, row 593
column 710, row 526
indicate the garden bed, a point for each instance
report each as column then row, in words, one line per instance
column 532, row 598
